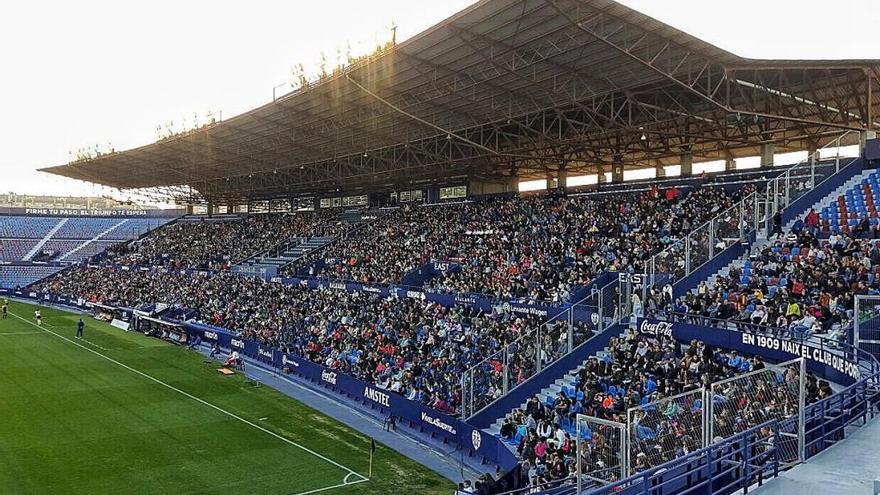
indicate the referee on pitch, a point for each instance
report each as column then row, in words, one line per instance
column 79, row 328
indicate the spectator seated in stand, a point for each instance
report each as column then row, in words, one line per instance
column 796, row 287
column 205, row 244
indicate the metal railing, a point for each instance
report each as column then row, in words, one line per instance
column 777, row 391
column 514, row 363
column 866, row 324
column 742, row 460
column 734, row 463
column 788, row 187
column 518, row 361
column 827, row 421
column 746, row 458
column 602, row 446
column 795, row 432
column 754, row 213
column 800, row 431
column 703, row 243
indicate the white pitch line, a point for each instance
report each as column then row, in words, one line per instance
column 212, row 406
column 346, row 483
column 53, row 326
column 355, row 412
column 94, row 344
column 2, row 334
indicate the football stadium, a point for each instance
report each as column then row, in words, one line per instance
column 540, row 247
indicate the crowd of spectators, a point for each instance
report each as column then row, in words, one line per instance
column 649, row 374
column 537, row 248
column 210, row 244
column 532, row 248
column 796, row 286
column 413, row 347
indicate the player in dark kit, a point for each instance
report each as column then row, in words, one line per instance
column 79, row 328
column 5, row 310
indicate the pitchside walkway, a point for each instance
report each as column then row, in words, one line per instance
column 446, row 464
column 848, row 468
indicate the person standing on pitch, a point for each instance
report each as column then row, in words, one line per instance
column 39, row 317
column 79, row 328
column 5, row 310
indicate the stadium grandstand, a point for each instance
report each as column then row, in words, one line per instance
column 516, row 249
column 33, row 246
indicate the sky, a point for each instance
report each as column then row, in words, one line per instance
column 106, row 73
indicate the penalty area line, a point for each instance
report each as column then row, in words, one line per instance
column 219, row 409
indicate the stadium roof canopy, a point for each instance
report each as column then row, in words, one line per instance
column 508, row 88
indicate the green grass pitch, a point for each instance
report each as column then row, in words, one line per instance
column 123, row 413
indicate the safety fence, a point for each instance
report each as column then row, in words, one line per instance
column 866, row 325
column 777, row 392
column 747, row 458
column 763, row 413
column 662, row 429
column 754, row 213
column 669, row 428
column 743, row 460
column 602, row 447
column 756, row 454
column 513, row 363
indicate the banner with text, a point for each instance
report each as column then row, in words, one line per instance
column 831, row 364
